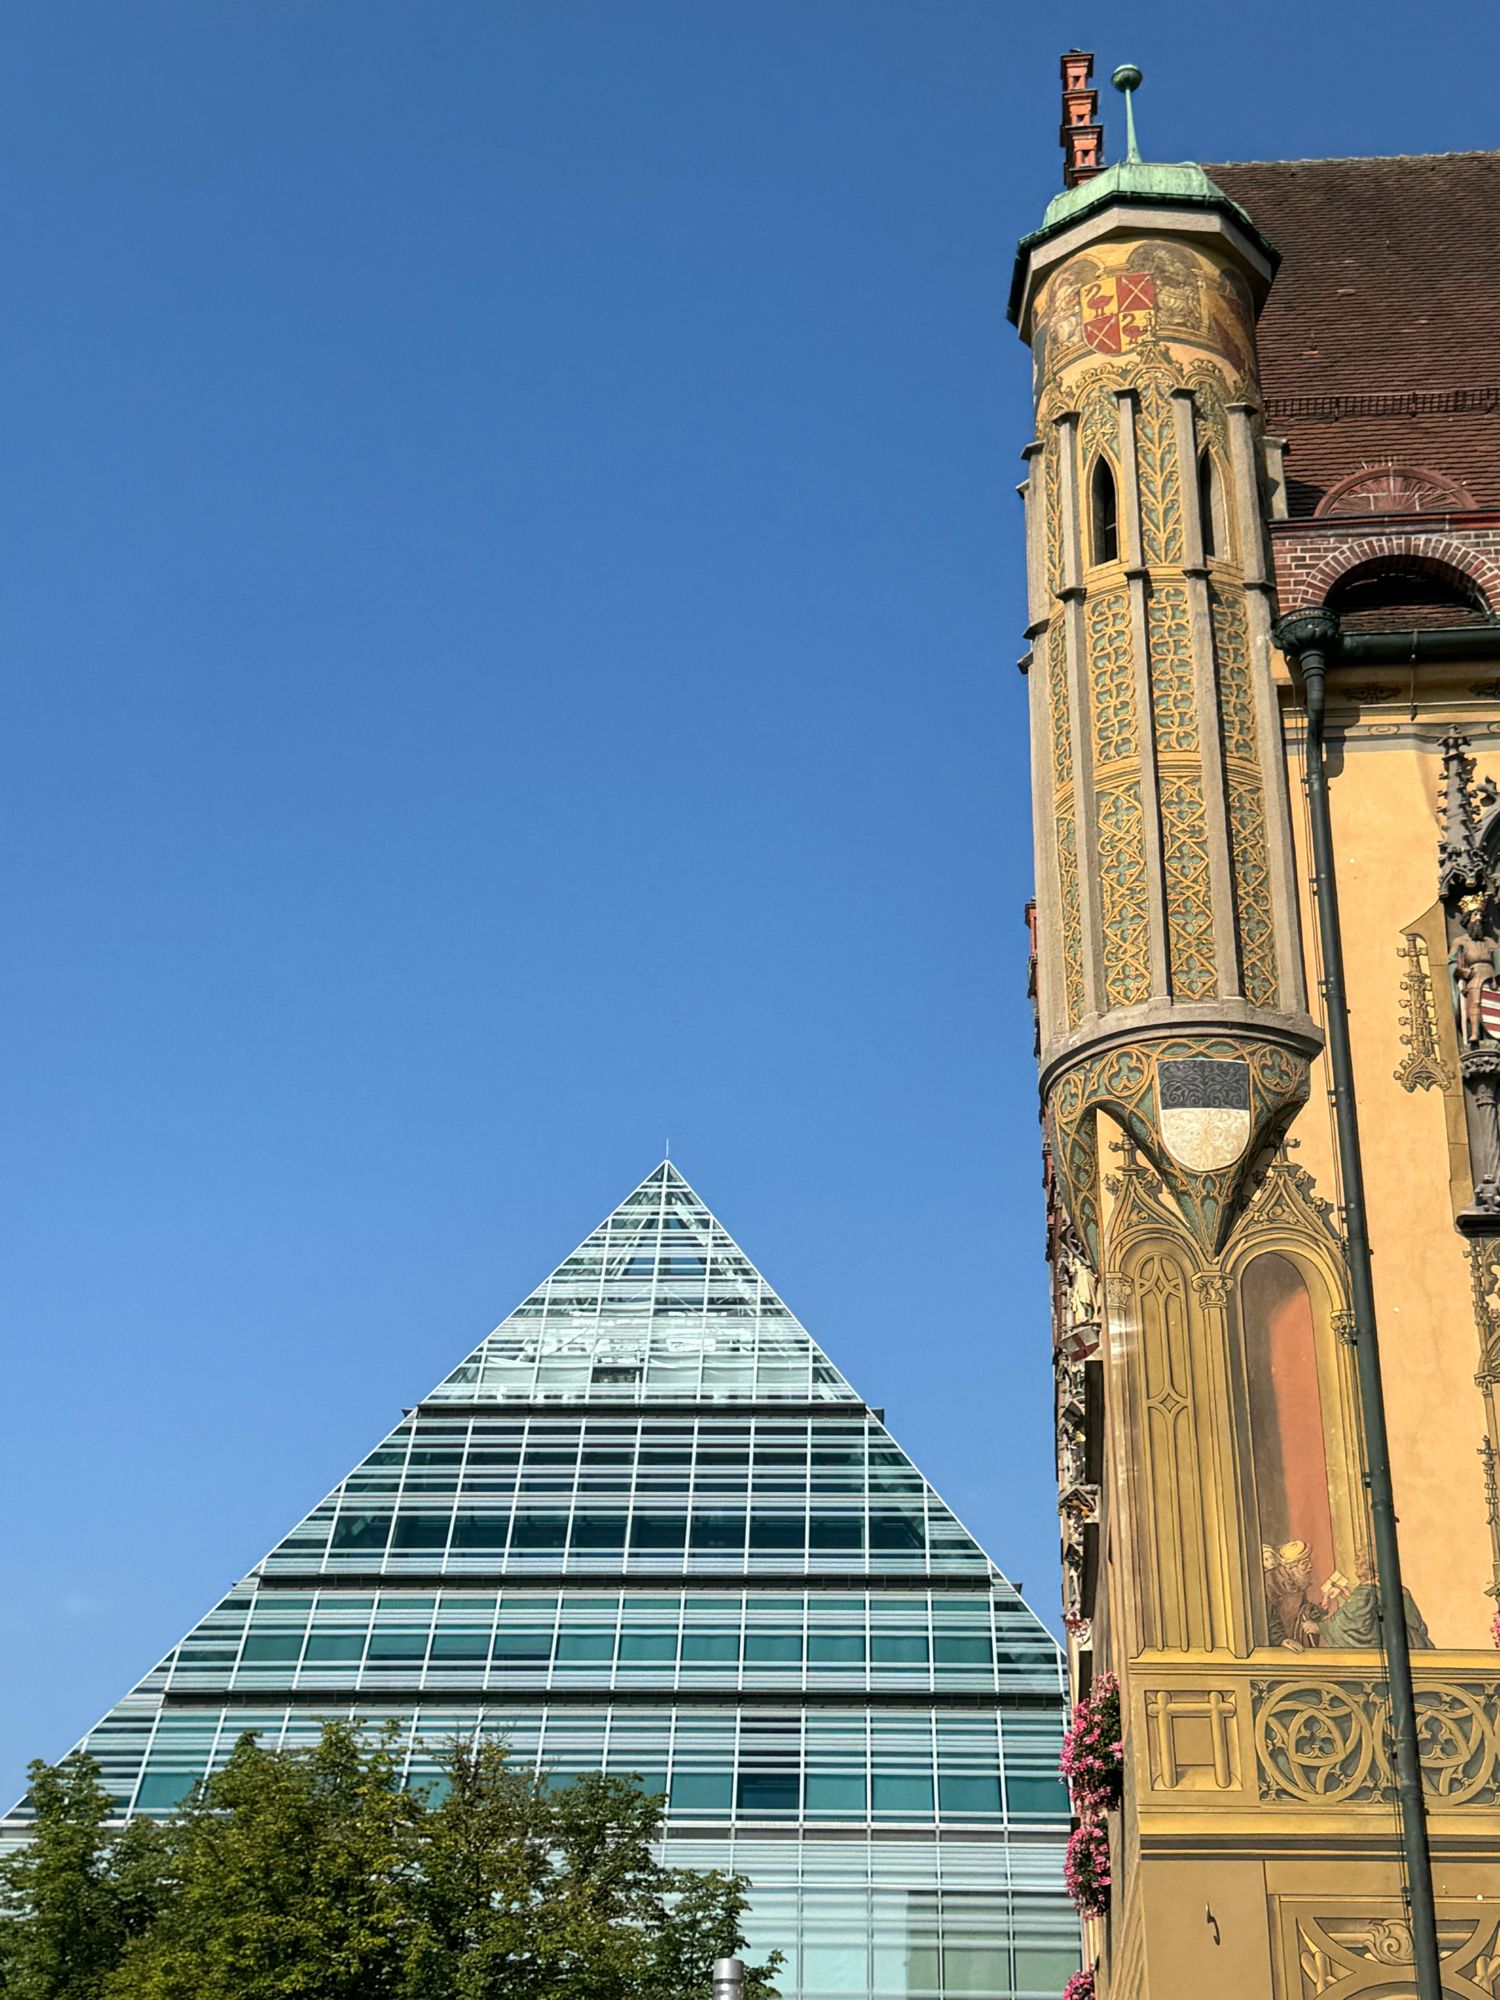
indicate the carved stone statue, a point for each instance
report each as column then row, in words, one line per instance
column 1473, row 962
column 1468, row 878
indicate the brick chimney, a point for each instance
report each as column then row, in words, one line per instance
column 1080, row 133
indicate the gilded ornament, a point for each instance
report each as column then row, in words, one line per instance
column 1072, row 921
column 1125, row 918
column 1252, row 868
column 1099, row 423
column 1422, row 1067
column 1353, row 1955
column 1249, row 849
column 1112, row 678
column 1212, row 406
column 1170, row 643
column 1156, row 457
column 1189, row 891
column 1067, row 841
column 1212, row 1288
column 1122, row 1082
column 1052, row 463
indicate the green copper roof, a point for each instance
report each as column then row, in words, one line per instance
column 1139, row 183
column 1182, row 180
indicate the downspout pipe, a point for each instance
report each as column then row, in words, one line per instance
column 1307, row 639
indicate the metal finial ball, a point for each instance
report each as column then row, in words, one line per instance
column 1126, row 77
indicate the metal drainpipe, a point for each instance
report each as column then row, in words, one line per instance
column 1306, row 637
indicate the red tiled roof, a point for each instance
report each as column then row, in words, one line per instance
column 1380, row 341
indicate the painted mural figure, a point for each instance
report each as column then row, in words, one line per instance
column 1293, row 1613
column 1341, row 1614
column 1473, row 962
column 1353, row 1619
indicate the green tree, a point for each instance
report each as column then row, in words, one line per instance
column 315, row 1875
column 74, row 1896
column 538, row 1894
column 288, row 1877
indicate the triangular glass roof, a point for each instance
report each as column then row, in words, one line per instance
column 658, row 1302
column 657, row 1314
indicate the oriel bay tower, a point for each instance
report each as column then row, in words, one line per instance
column 1262, row 659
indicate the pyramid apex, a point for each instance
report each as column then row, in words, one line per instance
column 657, row 1303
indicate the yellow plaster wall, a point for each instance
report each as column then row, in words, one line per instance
column 1383, row 799
column 1206, row 1928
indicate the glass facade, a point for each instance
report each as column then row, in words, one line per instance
column 647, row 1527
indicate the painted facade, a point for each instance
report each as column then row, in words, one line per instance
column 1216, row 1542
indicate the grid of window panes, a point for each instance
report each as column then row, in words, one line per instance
column 716, row 1764
column 933, row 1919
column 659, row 1302
column 760, row 1495
column 742, row 1592
column 820, row 1641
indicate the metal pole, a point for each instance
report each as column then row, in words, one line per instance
column 1306, row 638
column 729, row 1979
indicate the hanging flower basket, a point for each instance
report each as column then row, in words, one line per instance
column 1080, row 1986
column 1086, row 1868
column 1092, row 1762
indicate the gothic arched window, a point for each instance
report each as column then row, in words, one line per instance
column 1288, row 1448
column 1104, row 514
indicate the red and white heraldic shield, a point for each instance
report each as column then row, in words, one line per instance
column 1117, row 310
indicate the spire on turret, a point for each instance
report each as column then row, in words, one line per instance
column 1127, row 79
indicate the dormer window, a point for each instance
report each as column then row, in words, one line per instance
column 1405, row 593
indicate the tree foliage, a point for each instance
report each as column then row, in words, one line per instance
column 72, row 1900
column 292, row 1874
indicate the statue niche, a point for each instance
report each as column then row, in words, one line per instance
column 1468, row 881
column 1473, row 967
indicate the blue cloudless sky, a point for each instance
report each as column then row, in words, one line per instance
column 512, row 587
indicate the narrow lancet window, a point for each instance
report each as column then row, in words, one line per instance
column 1207, row 496
column 1105, row 513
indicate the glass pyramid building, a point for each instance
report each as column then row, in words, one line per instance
column 647, row 1526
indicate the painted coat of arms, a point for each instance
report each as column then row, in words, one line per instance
column 1204, row 1107
column 1117, row 311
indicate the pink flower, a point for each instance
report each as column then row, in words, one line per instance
column 1086, row 1868
column 1092, row 1751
